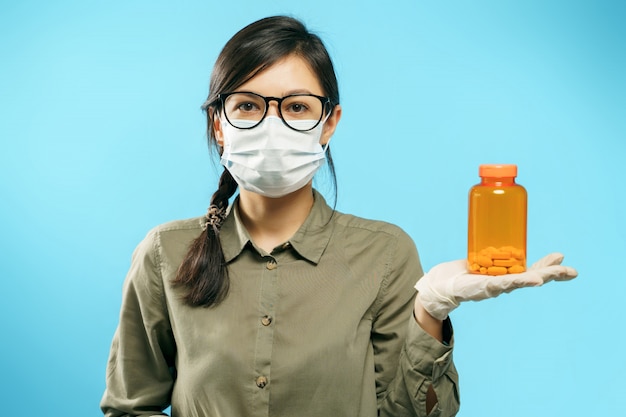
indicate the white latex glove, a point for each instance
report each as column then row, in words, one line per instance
column 446, row 285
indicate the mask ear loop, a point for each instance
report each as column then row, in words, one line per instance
column 326, row 146
column 322, row 124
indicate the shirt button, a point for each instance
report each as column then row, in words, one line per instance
column 266, row 320
column 271, row 264
column 261, row 382
column 286, row 245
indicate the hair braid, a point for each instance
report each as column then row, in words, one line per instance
column 226, row 188
column 203, row 271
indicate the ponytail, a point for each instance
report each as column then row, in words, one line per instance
column 203, row 271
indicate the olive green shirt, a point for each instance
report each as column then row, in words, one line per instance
column 321, row 326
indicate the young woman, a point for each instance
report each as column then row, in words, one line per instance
column 278, row 305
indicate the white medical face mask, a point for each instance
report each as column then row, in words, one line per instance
column 272, row 159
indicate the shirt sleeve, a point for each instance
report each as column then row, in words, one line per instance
column 422, row 361
column 140, row 370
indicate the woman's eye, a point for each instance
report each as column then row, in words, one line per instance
column 297, row 108
column 247, row 107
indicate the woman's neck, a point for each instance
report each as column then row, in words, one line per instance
column 272, row 221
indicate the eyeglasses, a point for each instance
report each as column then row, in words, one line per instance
column 301, row 112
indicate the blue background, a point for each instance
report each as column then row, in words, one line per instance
column 102, row 138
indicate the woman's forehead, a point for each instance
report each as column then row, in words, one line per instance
column 289, row 75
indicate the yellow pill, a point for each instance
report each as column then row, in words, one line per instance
column 488, row 251
column 483, row 270
column 474, row 267
column 501, row 255
column 516, row 269
column 484, row 260
column 506, row 262
column 496, row 270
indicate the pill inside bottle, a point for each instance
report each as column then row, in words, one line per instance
column 496, row 239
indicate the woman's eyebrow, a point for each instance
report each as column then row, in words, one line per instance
column 297, row 91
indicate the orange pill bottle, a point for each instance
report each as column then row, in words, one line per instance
column 496, row 238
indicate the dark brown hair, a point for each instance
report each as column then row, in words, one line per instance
column 204, row 272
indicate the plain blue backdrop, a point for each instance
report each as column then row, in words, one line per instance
column 102, row 138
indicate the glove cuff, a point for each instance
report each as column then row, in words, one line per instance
column 433, row 302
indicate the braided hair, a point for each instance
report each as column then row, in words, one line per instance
column 203, row 271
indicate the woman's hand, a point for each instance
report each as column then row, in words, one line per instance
column 446, row 285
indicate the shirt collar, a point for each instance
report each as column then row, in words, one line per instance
column 310, row 241
column 233, row 234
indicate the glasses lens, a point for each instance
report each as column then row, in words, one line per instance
column 243, row 110
column 302, row 112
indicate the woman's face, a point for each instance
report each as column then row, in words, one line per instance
column 290, row 75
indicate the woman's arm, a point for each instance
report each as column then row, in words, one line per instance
column 425, row 381
column 140, row 370
column 433, row 327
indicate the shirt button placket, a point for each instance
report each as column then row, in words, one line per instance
column 271, row 265
column 265, row 334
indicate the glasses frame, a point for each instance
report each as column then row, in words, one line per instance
column 326, row 101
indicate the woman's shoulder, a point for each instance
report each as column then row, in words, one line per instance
column 374, row 241
column 176, row 229
column 193, row 223
column 370, row 226
column 168, row 236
